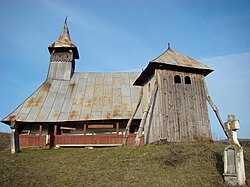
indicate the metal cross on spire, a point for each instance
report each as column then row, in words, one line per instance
column 169, row 46
column 65, row 22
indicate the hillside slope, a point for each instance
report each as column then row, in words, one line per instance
column 182, row 164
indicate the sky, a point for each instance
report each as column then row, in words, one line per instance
column 118, row 35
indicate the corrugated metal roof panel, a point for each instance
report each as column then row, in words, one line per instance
column 50, row 99
column 58, row 103
column 67, row 105
column 87, row 96
column 126, row 106
column 44, row 113
column 74, row 113
column 63, row 116
column 21, row 117
column 55, row 86
column 82, row 84
column 64, row 88
column 33, row 113
column 54, row 114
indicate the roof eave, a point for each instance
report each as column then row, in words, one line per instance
column 5, row 122
column 152, row 66
column 74, row 49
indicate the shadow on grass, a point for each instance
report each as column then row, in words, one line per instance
column 219, row 163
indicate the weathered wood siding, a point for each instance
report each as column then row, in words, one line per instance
column 32, row 141
column 153, row 123
column 180, row 110
column 94, row 139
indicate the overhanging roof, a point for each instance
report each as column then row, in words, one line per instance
column 87, row 96
column 173, row 60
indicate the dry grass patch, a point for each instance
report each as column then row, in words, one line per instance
column 183, row 164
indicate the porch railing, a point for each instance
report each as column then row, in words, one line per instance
column 40, row 141
column 93, row 139
column 32, row 141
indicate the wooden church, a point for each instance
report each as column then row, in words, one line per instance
column 92, row 108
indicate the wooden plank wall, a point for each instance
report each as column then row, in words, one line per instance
column 180, row 112
column 32, row 141
column 152, row 129
column 94, row 139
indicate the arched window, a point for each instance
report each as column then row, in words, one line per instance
column 187, row 80
column 177, row 79
column 149, row 87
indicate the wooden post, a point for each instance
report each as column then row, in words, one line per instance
column 117, row 129
column 15, row 147
column 40, row 130
column 125, row 140
column 55, row 130
column 85, row 129
column 144, row 116
column 40, row 135
column 215, row 109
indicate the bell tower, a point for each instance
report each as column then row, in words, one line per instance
column 62, row 56
column 179, row 110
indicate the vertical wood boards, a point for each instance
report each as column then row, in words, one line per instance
column 180, row 110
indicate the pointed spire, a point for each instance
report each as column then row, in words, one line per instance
column 64, row 41
column 65, row 31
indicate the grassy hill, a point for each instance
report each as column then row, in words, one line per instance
column 182, row 164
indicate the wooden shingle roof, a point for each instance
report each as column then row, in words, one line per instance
column 172, row 57
column 173, row 60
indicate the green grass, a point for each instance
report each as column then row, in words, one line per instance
column 182, row 164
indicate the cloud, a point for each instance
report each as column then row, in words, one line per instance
column 229, row 88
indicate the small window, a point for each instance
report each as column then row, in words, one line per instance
column 24, row 131
column 66, row 131
column 177, row 79
column 187, row 80
column 149, row 87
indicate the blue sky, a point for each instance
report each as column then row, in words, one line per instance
column 117, row 35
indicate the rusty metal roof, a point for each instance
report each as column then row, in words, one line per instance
column 87, row 96
column 173, row 60
column 64, row 41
